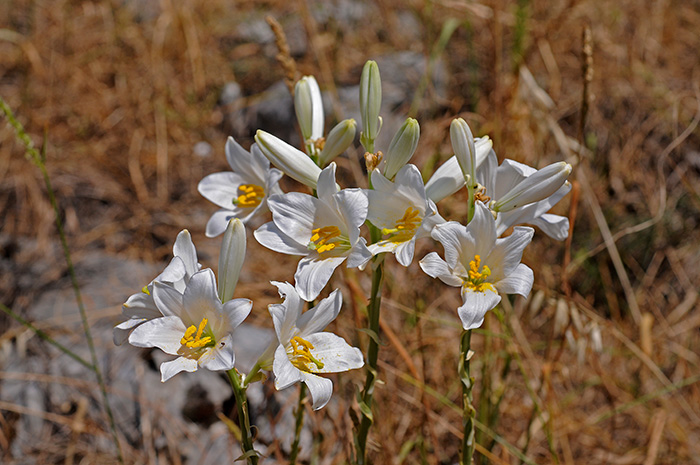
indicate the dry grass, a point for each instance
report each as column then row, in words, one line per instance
column 126, row 92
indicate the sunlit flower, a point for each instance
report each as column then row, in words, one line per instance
column 521, row 194
column 325, row 230
column 304, row 350
column 243, row 192
column 141, row 307
column 402, row 211
column 480, row 264
column 194, row 325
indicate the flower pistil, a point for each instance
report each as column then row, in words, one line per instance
column 301, row 355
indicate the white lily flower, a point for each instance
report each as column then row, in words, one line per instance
column 141, row 307
column 448, row 178
column 292, row 161
column 194, row 325
column 500, row 181
column 325, row 230
column 304, row 350
column 243, row 192
column 402, row 211
column 480, row 264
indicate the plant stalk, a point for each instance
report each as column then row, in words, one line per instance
column 468, row 411
column 299, row 415
column 250, row 454
column 373, row 311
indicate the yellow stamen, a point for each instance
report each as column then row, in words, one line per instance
column 250, row 195
column 477, row 279
column 301, row 355
column 144, row 289
column 196, row 341
column 405, row 227
column 321, row 239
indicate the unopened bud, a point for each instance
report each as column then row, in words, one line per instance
column 309, row 108
column 463, row 145
column 338, row 140
column 370, row 103
column 293, row 162
column 538, row 186
column 231, row 258
column 402, row 147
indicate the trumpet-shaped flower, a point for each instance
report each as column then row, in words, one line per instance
column 402, row 211
column 527, row 194
column 304, row 350
column 243, row 192
column 194, row 325
column 480, row 264
column 325, row 230
column 141, row 307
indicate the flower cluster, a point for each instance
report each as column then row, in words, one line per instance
column 186, row 314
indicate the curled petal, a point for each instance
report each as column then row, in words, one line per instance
column 475, row 306
column 321, row 389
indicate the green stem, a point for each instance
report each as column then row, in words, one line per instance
column 299, row 414
column 468, row 412
column 250, row 454
column 372, row 353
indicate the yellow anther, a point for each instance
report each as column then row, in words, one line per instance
column 301, row 354
column 195, row 341
column 321, row 237
column 405, row 227
column 477, row 276
column 144, row 289
column 250, row 195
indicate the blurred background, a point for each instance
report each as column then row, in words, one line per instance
column 136, row 100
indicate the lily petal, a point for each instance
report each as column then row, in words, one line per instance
column 286, row 374
column 475, row 306
column 335, row 354
column 436, row 267
column 313, row 274
column 173, row 367
column 164, row 333
column 321, row 389
column 221, row 357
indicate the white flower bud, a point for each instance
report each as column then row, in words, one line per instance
column 538, row 186
column 370, row 102
column 338, row 140
column 463, row 145
column 293, row 162
column 231, row 258
column 309, row 108
column 402, row 147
